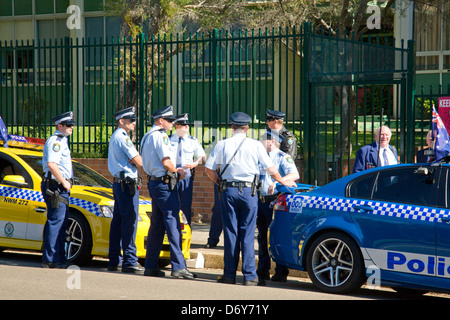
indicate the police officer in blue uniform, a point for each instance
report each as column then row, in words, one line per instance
column 239, row 158
column 158, row 160
column 287, row 169
column 123, row 160
column 55, row 187
column 274, row 125
column 187, row 149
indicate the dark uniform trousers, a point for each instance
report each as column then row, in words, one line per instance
column 165, row 218
column 265, row 212
column 56, row 225
column 216, row 220
column 123, row 227
column 239, row 211
column 185, row 187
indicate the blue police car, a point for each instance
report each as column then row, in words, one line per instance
column 388, row 226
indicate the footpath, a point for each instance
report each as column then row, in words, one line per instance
column 213, row 257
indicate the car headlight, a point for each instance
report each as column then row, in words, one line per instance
column 107, row 211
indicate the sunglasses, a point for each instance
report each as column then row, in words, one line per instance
column 169, row 120
column 70, row 125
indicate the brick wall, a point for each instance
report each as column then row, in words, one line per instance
column 203, row 198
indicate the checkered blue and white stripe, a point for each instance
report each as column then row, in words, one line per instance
column 32, row 195
column 404, row 211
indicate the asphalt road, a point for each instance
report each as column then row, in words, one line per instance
column 21, row 277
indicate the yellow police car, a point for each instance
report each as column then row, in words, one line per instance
column 23, row 212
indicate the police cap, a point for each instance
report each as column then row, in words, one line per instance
column 128, row 113
column 270, row 135
column 182, row 119
column 165, row 112
column 240, row 118
column 64, row 118
column 274, row 114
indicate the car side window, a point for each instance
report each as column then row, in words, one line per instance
column 362, row 187
column 11, row 167
column 405, row 185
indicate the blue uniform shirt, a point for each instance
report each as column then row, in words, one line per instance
column 57, row 150
column 185, row 149
column 245, row 165
column 285, row 165
column 155, row 146
column 121, row 150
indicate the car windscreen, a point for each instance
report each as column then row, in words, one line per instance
column 82, row 175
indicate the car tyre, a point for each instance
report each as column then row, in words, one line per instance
column 78, row 244
column 335, row 263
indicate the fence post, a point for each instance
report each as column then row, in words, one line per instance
column 410, row 93
column 141, row 86
column 67, row 74
column 214, row 78
column 308, row 127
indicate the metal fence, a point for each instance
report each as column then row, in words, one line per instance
column 335, row 90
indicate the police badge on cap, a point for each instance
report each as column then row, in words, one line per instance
column 128, row 113
column 64, row 118
column 165, row 112
column 182, row 119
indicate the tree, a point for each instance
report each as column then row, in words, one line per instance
column 161, row 18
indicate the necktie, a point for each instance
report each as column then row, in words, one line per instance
column 179, row 152
column 385, row 158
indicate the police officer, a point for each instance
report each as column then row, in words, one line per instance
column 187, row 147
column 239, row 158
column 158, row 161
column 123, row 160
column 274, row 124
column 55, row 187
column 286, row 166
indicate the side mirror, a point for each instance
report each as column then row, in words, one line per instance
column 15, row 181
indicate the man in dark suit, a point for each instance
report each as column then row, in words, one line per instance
column 377, row 154
column 426, row 154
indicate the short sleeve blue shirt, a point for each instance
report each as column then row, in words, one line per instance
column 245, row 165
column 121, row 150
column 185, row 149
column 57, row 150
column 155, row 146
column 285, row 165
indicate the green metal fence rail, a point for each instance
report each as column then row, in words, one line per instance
column 351, row 88
column 311, row 76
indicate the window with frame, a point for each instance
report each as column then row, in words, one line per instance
column 432, row 32
column 405, row 185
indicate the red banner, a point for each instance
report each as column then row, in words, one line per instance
column 444, row 111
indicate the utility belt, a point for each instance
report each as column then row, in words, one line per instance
column 170, row 178
column 55, row 195
column 270, row 198
column 239, row 184
column 224, row 184
column 133, row 184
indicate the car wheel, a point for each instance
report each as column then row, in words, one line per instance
column 78, row 240
column 335, row 263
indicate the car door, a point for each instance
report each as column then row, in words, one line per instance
column 443, row 230
column 14, row 207
column 397, row 218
